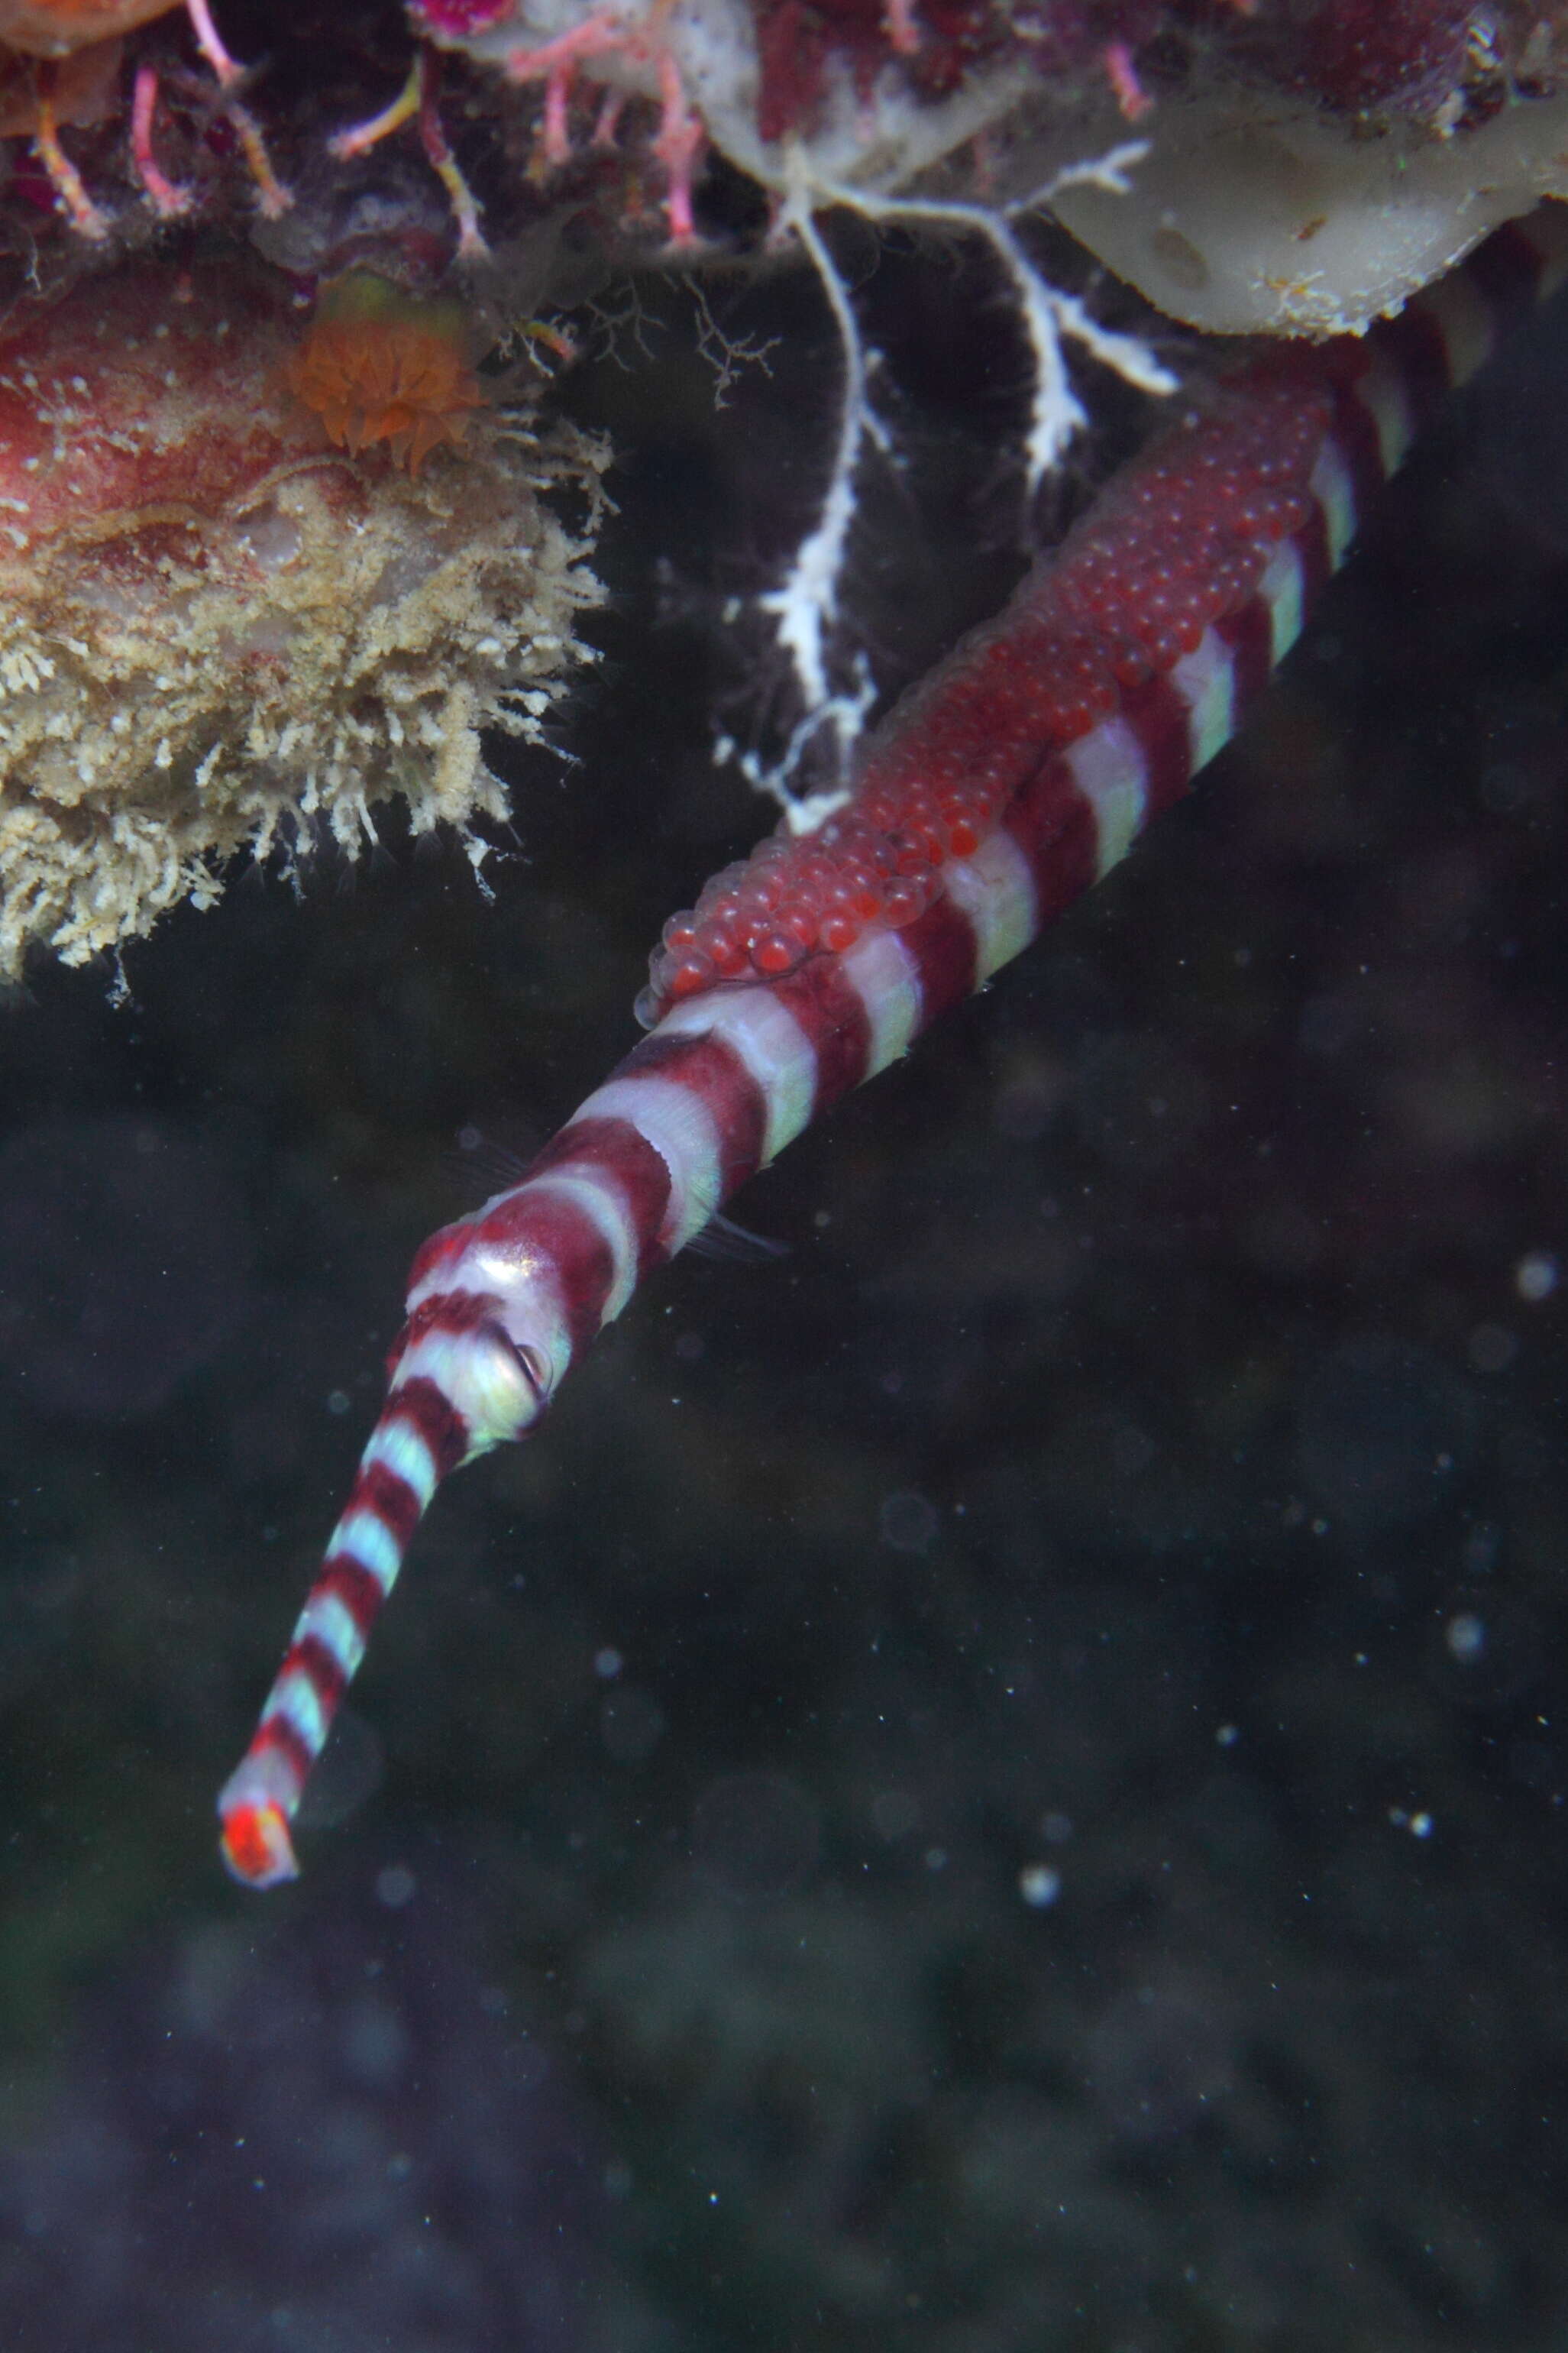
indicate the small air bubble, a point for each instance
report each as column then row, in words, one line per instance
column 395, row 1886
column 338, row 1400
column 608, row 1664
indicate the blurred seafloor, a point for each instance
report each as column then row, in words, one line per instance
column 993, row 1785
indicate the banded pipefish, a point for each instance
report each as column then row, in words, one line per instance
column 1000, row 789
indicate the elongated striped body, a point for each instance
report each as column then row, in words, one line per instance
column 1006, row 785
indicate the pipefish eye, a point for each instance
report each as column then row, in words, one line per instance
column 535, row 1367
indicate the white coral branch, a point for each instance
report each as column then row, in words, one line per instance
column 804, row 605
column 1045, row 314
column 845, row 714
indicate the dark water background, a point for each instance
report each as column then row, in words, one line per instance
column 995, row 1785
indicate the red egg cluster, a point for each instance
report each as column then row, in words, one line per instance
column 1179, row 544
column 1189, row 533
column 760, row 917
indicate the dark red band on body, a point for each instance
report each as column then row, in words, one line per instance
column 731, row 1097
column 1355, row 431
column 388, row 1497
column 1311, row 543
column 1413, row 341
column 348, row 1580
column 451, row 1312
column 942, row 943
column 311, row 1657
column 428, row 1409
column 624, row 1152
column 1056, row 827
column 1160, row 718
column 1250, row 634
column 830, row 1011
column 1507, row 269
column 446, row 1242
column 568, row 1240
column 276, row 1732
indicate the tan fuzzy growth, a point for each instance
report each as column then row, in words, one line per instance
column 212, row 636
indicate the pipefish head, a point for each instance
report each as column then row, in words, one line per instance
column 459, row 1347
column 497, row 1303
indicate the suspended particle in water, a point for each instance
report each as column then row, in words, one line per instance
column 1535, row 1276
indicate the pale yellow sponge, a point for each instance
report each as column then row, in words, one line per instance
column 218, row 631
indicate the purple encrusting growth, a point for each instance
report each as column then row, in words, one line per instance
column 452, row 19
column 324, row 2138
column 1356, row 55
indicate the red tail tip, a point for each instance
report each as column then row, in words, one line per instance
column 257, row 1846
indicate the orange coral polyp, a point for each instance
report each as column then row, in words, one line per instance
column 376, row 374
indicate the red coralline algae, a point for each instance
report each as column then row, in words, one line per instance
column 796, row 40
column 1359, row 55
column 935, row 43
column 1178, row 545
column 71, row 378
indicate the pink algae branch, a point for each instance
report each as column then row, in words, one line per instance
column 419, row 101
column 70, row 49
column 1178, row 544
column 680, row 140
